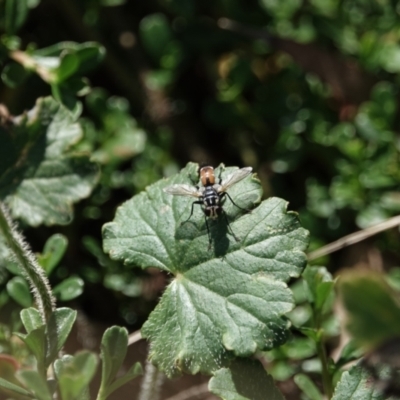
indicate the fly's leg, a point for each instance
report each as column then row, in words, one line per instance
column 221, row 168
column 208, row 233
column 230, row 198
column 229, row 226
column 191, row 212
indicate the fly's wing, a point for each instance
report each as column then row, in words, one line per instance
column 183, row 190
column 235, row 177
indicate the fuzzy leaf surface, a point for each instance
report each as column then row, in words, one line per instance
column 39, row 179
column 244, row 380
column 356, row 384
column 222, row 303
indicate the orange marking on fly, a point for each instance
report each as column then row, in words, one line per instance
column 207, row 175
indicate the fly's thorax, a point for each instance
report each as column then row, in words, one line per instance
column 207, row 176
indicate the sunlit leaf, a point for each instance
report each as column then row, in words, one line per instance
column 224, row 302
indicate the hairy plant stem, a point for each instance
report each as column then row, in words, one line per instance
column 151, row 383
column 29, row 266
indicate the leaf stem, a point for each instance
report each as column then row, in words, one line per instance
column 326, row 376
column 29, row 266
column 151, row 384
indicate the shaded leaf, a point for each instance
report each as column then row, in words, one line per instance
column 37, row 179
column 69, row 288
column 228, row 301
column 14, row 74
column 244, row 380
column 16, row 12
column 53, row 251
column 18, row 290
column 372, row 307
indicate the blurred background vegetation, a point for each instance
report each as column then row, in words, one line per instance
column 306, row 92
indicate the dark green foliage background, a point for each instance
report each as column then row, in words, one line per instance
column 305, row 92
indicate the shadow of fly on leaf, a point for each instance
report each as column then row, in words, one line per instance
column 211, row 196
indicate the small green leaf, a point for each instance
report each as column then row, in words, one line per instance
column 69, row 63
column 308, row 387
column 53, row 252
column 14, row 74
column 244, row 380
column 38, row 179
column 227, row 301
column 155, row 34
column 114, row 345
column 372, row 306
column 15, row 388
column 320, row 285
column 31, row 319
column 58, row 329
column 89, row 55
column 67, row 97
column 356, row 384
column 69, row 289
column 132, row 373
column 74, row 373
column 18, row 290
column 16, row 12
column 36, row 384
column 36, row 342
column 350, row 352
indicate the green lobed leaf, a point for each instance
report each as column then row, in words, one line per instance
column 31, row 319
column 114, row 345
column 38, row 179
column 356, row 384
column 74, row 373
column 69, row 288
column 244, row 380
column 36, row 384
column 18, row 290
column 225, row 302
